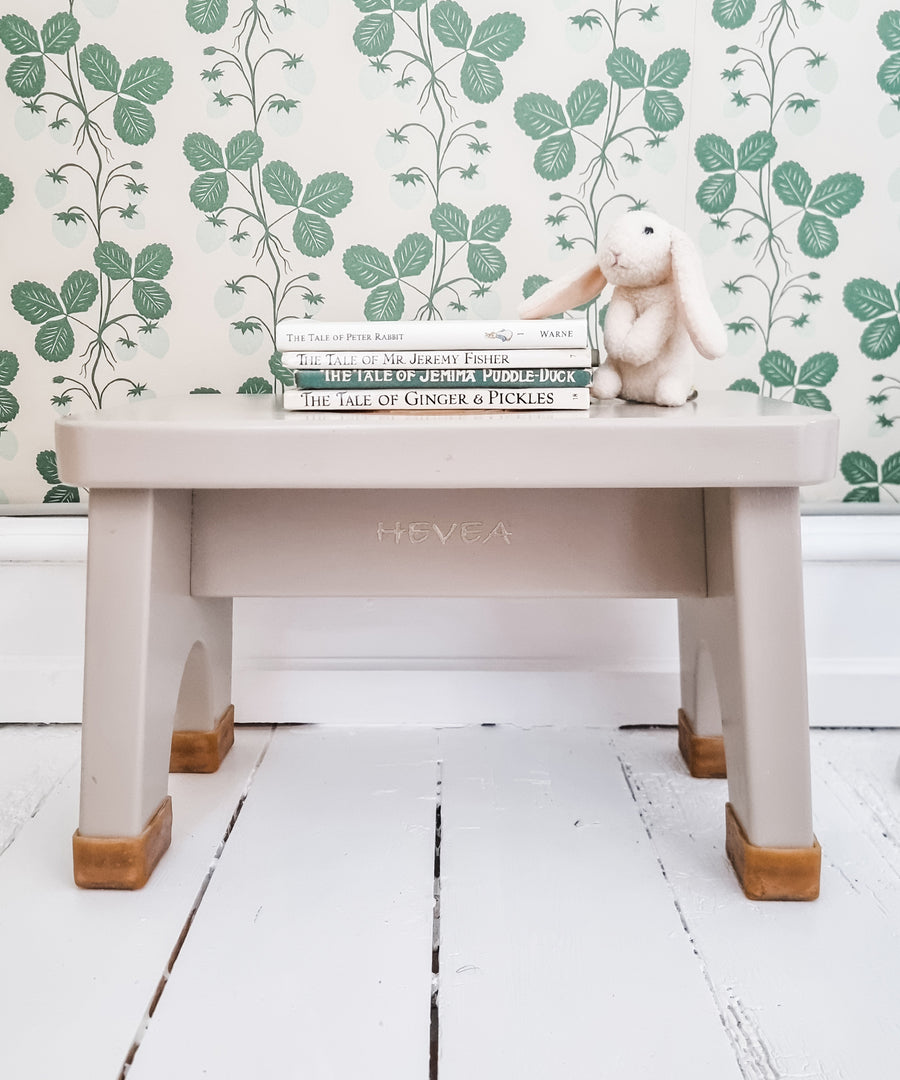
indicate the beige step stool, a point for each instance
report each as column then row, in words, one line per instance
column 198, row 499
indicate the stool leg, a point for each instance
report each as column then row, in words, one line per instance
column 141, row 626
column 700, row 717
column 755, row 590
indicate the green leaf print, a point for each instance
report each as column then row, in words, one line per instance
column 385, row 303
column 375, row 34
column 890, row 469
column 9, row 407
column 312, row 235
column 586, row 102
column 133, row 122
column 62, row 493
column 662, row 110
column 9, row 367
column 7, row 193
column 413, row 254
column 282, row 182
column 451, row 25
column 204, row 153
column 148, row 80
column 626, row 68
column 498, row 36
column 866, row 298
column 717, row 193
column 538, row 115
column 279, row 371
column 35, row 302
column 778, row 368
column 367, row 266
column 747, row 386
column 113, row 260
column 791, row 183
column 450, row 223
column 756, row 151
column 243, row 151
column 555, row 157
column 480, row 79
column 491, row 223
column 812, row 398
column 889, row 30
column 881, row 338
column 60, row 33
column 817, row 236
column 18, row 35
column 150, row 299
column 26, row 76
column 818, row 370
column 862, row 495
column 206, row 16
column 101, row 69
column 859, row 468
column 209, row 192
column 486, row 262
column 837, row 195
column 889, row 74
column 154, row 261
column 731, row 14
column 328, row 194
column 255, row 385
column 79, row 291
column 55, row 341
column 669, row 69
column 47, row 467
column 714, row 153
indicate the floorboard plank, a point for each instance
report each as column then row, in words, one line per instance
column 561, row 950
column 80, row 968
column 311, row 953
column 33, row 760
column 805, row 990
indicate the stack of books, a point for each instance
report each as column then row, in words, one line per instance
column 435, row 366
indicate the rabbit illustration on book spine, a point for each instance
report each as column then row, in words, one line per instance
column 660, row 315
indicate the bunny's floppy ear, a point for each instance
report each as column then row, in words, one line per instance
column 703, row 324
column 571, row 291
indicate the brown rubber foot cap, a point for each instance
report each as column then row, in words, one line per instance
column 202, row 751
column 123, row 862
column 772, row 873
column 704, row 755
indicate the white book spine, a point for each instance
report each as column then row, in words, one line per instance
column 453, row 358
column 301, row 335
column 468, row 398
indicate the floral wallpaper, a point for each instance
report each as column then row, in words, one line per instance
column 178, row 177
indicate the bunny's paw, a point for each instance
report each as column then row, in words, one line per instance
column 606, row 382
column 670, row 390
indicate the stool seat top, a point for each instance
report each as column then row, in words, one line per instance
column 198, row 441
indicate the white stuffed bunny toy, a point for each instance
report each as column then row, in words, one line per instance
column 660, row 315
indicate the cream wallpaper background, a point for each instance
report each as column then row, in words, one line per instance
column 176, row 177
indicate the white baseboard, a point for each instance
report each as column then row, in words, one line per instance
column 362, row 661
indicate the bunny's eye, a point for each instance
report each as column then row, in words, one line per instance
column 648, row 230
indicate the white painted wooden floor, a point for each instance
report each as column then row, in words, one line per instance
column 588, row 926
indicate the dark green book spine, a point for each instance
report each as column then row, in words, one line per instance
column 395, row 378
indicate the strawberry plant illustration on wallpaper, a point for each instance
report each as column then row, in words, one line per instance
column 253, row 199
column 9, row 363
column 416, row 44
column 99, row 313
column 889, row 71
column 774, row 206
column 612, row 122
column 877, row 307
